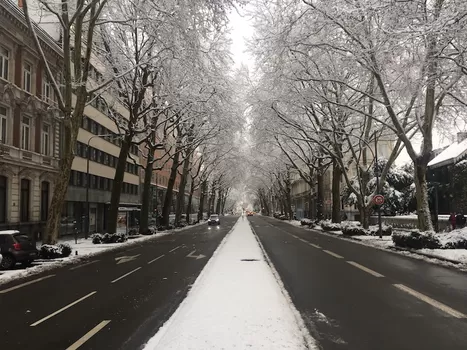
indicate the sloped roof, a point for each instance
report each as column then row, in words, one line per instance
column 451, row 155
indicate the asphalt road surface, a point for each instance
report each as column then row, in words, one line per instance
column 356, row 297
column 115, row 300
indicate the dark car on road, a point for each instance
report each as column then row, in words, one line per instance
column 16, row 248
column 214, row 220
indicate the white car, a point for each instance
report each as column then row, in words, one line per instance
column 214, row 220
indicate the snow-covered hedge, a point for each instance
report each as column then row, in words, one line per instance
column 327, row 225
column 352, row 228
column 416, row 240
column 308, row 222
column 49, row 251
column 456, row 239
column 98, row 238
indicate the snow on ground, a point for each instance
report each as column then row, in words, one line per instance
column 293, row 222
column 85, row 249
column 452, row 254
column 235, row 304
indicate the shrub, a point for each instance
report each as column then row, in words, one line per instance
column 353, row 230
column 65, row 249
column 456, row 239
column 98, row 238
column 329, row 226
column 49, row 251
column 416, row 240
column 306, row 222
column 133, row 232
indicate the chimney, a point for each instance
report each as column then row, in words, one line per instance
column 461, row 136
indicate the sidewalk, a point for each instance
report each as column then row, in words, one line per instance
column 235, row 304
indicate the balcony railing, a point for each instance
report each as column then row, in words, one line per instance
column 14, row 153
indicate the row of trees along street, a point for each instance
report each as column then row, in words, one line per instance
column 335, row 77
column 166, row 81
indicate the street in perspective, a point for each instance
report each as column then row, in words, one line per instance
column 233, row 174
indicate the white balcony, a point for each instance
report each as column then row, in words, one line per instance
column 9, row 152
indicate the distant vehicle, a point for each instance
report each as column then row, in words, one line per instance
column 214, row 220
column 250, row 213
column 16, row 247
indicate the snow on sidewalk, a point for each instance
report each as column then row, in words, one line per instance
column 235, row 304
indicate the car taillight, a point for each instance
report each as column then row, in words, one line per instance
column 17, row 246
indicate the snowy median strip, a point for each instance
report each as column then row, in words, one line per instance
column 235, row 304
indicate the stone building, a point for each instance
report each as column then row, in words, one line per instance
column 29, row 124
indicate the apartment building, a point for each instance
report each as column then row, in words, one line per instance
column 30, row 134
column 29, row 124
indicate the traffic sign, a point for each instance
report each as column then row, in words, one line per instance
column 378, row 199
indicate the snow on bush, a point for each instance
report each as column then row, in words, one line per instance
column 456, row 239
column 49, row 251
column 308, row 222
column 327, row 225
column 98, row 238
column 416, row 240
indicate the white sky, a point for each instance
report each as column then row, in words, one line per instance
column 241, row 32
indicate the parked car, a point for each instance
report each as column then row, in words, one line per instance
column 16, row 247
column 214, row 220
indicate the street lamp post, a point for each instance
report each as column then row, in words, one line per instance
column 88, row 176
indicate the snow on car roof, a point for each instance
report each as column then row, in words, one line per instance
column 9, row 232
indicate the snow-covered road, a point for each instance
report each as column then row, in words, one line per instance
column 236, row 303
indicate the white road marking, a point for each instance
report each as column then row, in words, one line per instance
column 62, row 309
column 170, row 251
column 25, row 284
column 124, row 259
column 432, row 302
column 83, row 265
column 333, row 254
column 303, row 240
column 129, row 273
column 88, row 335
column 314, row 245
column 366, row 269
column 150, row 262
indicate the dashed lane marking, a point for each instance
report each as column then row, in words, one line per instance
column 83, row 265
column 25, row 284
column 88, row 335
column 432, row 302
column 127, row 274
column 159, row 257
column 170, row 251
column 62, row 309
column 333, row 254
column 314, row 245
column 366, row 269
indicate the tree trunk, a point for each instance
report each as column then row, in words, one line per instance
column 181, row 190
column 421, row 186
column 310, row 207
column 60, row 186
column 364, row 216
column 219, row 200
column 170, row 187
column 202, row 197
column 190, row 200
column 144, row 219
column 118, row 184
column 336, row 193
column 320, row 195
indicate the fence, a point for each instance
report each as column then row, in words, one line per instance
column 409, row 222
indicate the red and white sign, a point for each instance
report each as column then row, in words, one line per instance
column 378, row 199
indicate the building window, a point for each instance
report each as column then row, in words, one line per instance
column 27, row 77
column 44, row 200
column 45, row 139
column 3, row 198
column 24, row 199
column 25, row 133
column 46, row 90
column 4, row 62
column 3, row 126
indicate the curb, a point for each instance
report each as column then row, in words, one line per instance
column 395, row 249
column 432, row 256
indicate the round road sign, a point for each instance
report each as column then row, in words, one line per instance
column 378, row 199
